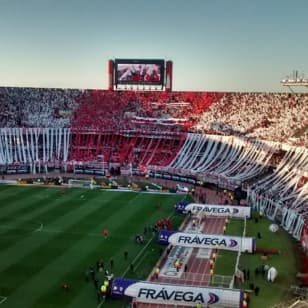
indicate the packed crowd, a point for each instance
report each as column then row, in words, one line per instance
column 99, row 109
column 37, row 107
column 131, row 110
column 271, row 116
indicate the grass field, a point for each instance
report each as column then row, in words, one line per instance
column 285, row 262
column 49, row 236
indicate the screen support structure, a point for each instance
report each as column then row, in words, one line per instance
column 125, row 75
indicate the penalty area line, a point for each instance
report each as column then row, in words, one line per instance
column 138, row 255
column 2, row 299
column 143, row 250
column 141, row 259
column 101, row 303
column 40, row 228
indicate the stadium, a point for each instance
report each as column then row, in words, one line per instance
column 115, row 183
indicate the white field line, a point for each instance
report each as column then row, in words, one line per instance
column 139, row 254
column 39, row 229
column 101, row 303
column 143, row 249
column 140, row 260
column 2, row 299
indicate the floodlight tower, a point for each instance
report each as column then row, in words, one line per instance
column 295, row 81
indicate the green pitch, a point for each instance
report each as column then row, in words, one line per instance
column 286, row 262
column 50, row 236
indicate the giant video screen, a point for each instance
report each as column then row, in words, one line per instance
column 145, row 72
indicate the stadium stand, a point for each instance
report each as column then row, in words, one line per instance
column 270, row 116
column 257, row 141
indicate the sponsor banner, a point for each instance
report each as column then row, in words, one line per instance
column 20, row 170
column 172, row 177
column 180, row 206
column 119, row 285
column 178, row 294
column 199, row 240
column 13, row 182
column 220, row 210
column 163, row 237
column 89, row 171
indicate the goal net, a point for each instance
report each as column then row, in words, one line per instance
column 81, row 183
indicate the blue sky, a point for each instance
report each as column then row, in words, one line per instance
column 217, row 45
